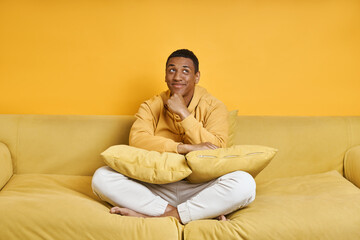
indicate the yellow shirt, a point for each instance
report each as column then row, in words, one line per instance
column 158, row 129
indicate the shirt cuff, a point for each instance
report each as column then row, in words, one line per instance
column 171, row 147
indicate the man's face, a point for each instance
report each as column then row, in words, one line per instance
column 181, row 77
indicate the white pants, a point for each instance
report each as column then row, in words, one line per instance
column 193, row 201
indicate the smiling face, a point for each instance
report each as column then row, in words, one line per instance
column 181, row 77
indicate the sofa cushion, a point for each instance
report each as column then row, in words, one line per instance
column 61, row 144
column 352, row 165
column 146, row 166
column 307, row 145
column 6, row 169
column 30, row 205
column 210, row 164
column 322, row 206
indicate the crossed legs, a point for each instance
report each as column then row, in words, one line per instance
column 182, row 200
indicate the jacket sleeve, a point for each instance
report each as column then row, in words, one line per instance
column 213, row 129
column 142, row 133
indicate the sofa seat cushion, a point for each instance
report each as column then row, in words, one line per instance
column 40, row 206
column 322, row 206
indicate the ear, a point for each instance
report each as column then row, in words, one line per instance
column 197, row 77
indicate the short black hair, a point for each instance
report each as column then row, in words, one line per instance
column 185, row 53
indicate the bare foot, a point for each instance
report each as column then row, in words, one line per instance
column 170, row 211
column 222, row 218
column 126, row 212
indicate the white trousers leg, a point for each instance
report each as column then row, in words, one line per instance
column 119, row 190
column 194, row 201
column 226, row 194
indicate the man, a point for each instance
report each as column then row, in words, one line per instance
column 183, row 119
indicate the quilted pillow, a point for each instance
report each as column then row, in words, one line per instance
column 210, row 164
column 146, row 166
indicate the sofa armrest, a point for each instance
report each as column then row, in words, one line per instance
column 6, row 169
column 352, row 165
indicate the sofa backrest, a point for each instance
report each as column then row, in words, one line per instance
column 61, row 144
column 71, row 144
column 306, row 145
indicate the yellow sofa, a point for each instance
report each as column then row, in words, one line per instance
column 46, row 164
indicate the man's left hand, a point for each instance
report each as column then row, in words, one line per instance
column 186, row 148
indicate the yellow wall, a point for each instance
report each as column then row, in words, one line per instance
column 263, row 57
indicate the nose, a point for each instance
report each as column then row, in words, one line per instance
column 177, row 76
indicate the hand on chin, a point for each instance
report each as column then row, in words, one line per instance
column 176, row 104
column 179, row 91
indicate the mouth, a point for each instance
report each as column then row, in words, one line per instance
column 177, row 85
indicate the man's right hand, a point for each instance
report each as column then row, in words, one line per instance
column 186, row 148
column 176, row 104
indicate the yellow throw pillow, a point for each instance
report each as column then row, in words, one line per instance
column 210, row 164
column 146, row 166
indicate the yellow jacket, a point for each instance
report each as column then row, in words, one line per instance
column 159, row 130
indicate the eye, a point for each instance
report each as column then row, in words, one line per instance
column 171, row 70
column 185, row 71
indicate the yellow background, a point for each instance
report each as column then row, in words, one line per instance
column 105, row 57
